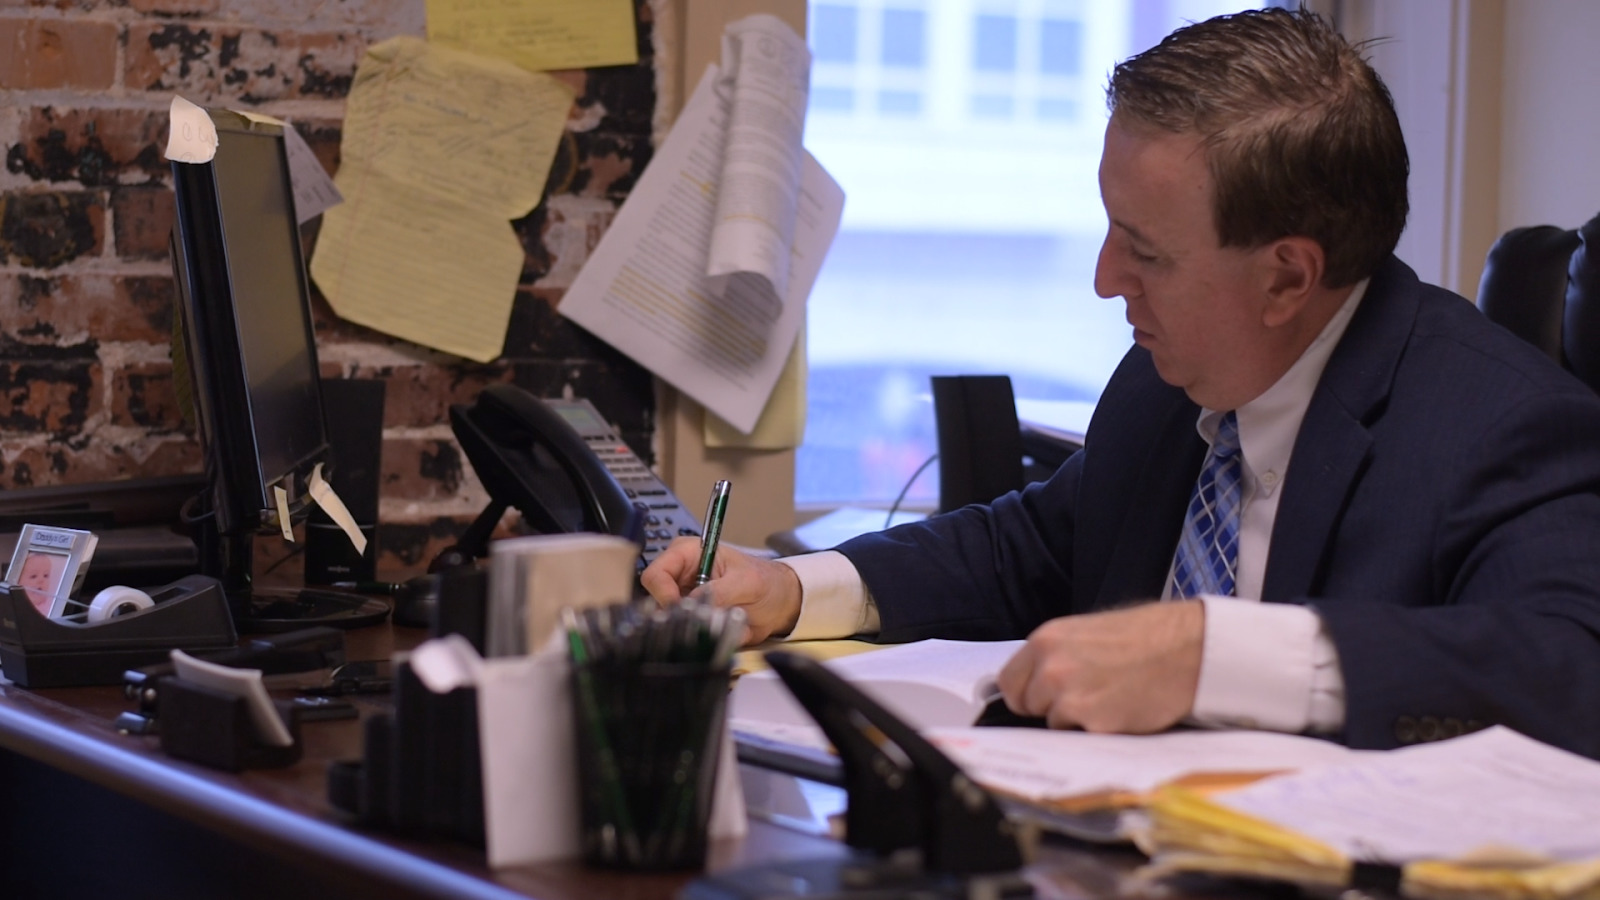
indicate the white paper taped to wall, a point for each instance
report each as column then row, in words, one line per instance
column 322, row 493
column 191, row 138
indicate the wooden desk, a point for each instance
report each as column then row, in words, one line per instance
column 85, row 810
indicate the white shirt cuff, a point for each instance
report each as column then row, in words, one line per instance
column 1267, row 665
column 834, row 602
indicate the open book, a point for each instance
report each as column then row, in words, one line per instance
column 928, row 684
column 939, row 687
column 1492, row 813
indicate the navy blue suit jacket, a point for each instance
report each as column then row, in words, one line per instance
column 1441, row 512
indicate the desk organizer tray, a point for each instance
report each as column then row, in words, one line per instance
column 190, row 614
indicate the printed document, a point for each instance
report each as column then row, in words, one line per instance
column 703, row 277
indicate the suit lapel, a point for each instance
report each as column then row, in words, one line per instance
column 1142, row 553
column 1330, row 452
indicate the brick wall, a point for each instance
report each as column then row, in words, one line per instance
column 86, row 391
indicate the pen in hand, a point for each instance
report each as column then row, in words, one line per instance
column 716, row 511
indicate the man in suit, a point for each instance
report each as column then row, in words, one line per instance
column 1371, row 513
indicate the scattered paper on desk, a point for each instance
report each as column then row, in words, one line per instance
column 191, row 135
column 1441, row 801
column 314, row 191
column 322, row 492
column 647, row 290
column 549, row 34
column 442, row 149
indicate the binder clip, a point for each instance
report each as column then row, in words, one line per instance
column 917, row 824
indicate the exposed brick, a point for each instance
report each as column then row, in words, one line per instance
column 211, row 62
column 55, row 398
column 423, row 470
column 47, row 54
column 419, row 396
column 85, row 309
column 537, row 331
column 174, row 7
column 609, row 163
column 387, row 16
column 406, row 547
column 91, row 146
column 560, row 236
column 142, row 396
column 49, row 229
column 141, row 220
column 37, row 465
column 144, row 309
column 627, row 93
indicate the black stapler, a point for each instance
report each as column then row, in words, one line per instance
column 917, row 824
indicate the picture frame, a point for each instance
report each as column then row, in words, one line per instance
column 49, row 564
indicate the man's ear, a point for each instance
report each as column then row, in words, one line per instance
column 1293, row 269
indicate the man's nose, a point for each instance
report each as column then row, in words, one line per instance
column 1111, row 278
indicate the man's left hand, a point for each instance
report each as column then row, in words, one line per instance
column 1128, row 670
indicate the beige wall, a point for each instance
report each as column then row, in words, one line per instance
column 1550, row 122
column 763, row 496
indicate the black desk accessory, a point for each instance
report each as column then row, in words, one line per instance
column 452, row 601
column 213, row 728
column 919, row 826
column 306, row 650
column 190, row 614
column 420, row 771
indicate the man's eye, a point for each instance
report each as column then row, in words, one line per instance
column 1142, row 257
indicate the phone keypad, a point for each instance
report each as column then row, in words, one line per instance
column 666, row 517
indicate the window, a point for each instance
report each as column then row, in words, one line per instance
column 966, row 134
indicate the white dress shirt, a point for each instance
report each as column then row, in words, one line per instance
column 1264, row 665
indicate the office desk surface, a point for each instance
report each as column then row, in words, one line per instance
column 285, row 814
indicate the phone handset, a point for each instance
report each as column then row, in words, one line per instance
column 564, row 468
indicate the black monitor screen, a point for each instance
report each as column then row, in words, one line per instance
column 262, row 241
column 247, row 322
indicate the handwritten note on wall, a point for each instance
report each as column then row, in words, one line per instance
column 548, row 34
column 442, row 149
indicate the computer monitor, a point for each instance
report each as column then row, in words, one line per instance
column 250, row 349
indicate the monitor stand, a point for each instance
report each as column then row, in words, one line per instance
column 263, row 610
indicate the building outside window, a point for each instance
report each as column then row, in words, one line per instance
column 966, row 135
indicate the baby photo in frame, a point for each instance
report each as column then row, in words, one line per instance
column 49, row 564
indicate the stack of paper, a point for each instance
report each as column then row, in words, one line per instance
column 1488, row 814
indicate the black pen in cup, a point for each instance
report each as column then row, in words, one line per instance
column 716, row 511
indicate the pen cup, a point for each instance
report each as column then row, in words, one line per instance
column 648, row 740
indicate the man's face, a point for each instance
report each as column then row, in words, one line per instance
column 1195, row 305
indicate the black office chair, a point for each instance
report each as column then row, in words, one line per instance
column 1543, row 284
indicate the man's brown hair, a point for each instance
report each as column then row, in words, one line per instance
column 1301, row 135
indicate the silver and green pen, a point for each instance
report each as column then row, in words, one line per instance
column 716, row 511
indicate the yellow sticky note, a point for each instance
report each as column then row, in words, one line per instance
column 442, row 149
column 548, row 34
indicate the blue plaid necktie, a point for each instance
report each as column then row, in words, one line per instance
column 1208, row 549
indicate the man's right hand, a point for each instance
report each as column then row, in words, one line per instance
column 768, row 592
